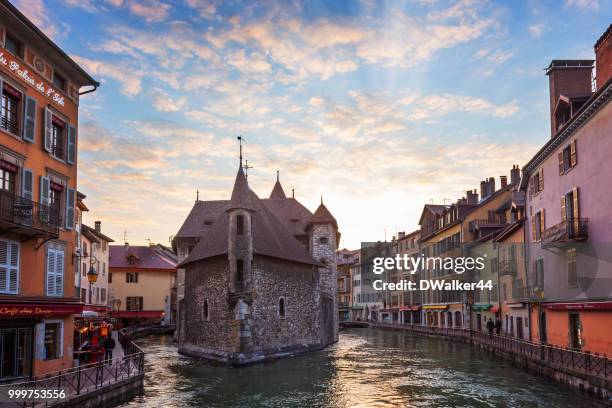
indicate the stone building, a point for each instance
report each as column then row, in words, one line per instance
column 258, row 277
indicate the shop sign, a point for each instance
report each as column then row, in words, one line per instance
column 30, row 79
column 26, row 310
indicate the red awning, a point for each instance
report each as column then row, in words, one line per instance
column 494, row 309
column 579, row 306
column 38, row 310
column 139, row 314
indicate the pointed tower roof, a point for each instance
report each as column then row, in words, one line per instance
column 277, row 191
column 323, row 216
column 241, row 196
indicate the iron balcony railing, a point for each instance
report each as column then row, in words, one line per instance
column 10, row 125
column 28, row 217
column 507, row 267
column 520, row 293
column 572, row 229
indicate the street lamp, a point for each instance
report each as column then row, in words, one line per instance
column 92, row 277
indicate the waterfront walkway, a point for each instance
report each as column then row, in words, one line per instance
column 584, row 370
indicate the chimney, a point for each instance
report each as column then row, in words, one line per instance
column 570, row 78
column 483, row 190
column 472, row 197
column 603, row 57
column 491, row 186
column 504, row 181
column 401, row 234
column 98, row 225
column 515, row 174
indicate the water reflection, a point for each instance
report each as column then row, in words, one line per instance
column 366, row 368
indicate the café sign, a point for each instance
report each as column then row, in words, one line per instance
column 42, row 310
column 23, row 74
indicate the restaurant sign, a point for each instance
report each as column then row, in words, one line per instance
column 18, row 310
column 7, row 61
column 579, row 306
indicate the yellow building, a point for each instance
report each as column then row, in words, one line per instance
column 141, row 283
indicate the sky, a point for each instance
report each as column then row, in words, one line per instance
column 378, row 107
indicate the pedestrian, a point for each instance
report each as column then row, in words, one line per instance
column 498, row 326
column 109, row 345
column 490, row 325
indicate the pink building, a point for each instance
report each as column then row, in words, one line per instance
column 569, row 209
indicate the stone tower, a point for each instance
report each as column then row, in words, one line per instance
column 324, row 238
column 240, row 257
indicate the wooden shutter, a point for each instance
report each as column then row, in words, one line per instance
column 59, row 272
column 71, row 157
column 27, row 184
column 70, row 203
column 45, row 191
column 51, row 291
column 13, row 266
column 40, row 341
column 48, row 129
column 573, row 153
column 541, row 180
column 542, row 222
column 563, row 214
column 560, row 155
column 29, row 120
column 576, row 214
column 4, row 270
column 533, row 226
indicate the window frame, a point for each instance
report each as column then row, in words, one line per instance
column 59, row 339
column 18, row 110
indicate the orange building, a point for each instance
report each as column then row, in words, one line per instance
column 39, row 87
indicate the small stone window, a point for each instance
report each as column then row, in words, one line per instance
column 281, row 308
column 239, row 270
column 323, row 240
column 240, row 225
column 205, row 314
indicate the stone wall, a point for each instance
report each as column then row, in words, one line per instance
column 208, row 280
column 323, row 245
column 244, row 328
column 298, row 285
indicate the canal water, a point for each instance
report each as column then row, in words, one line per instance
column 366, row 368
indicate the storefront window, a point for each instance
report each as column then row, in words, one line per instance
column 52, row 340
column 15, row 352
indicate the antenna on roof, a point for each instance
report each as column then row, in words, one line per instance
column 246, row 169
column 240, row 143
column 293, row 193
column 444, row 200
column 197, row 195
column 148, row 240
column 125, row 234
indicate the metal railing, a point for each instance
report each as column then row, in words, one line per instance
column 576, row 229
column 475, row 224
column 28, row 214
column 574, row 361
column 10, row 125
column 83, row 379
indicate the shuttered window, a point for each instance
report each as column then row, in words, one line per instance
column 9, row 266
column 55, row 271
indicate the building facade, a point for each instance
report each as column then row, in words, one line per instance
column 140, row 283
column 568, row 208
column 39, row 86
column 95, row 254
column 262, row 280
column 345, row 259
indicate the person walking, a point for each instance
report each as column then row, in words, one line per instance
column 490, row 325
column 498, row 325
column 109, row 346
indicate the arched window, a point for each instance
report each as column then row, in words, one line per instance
column 205, row 310
column 281, row 308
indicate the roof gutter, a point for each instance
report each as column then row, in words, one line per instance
column 95, row 85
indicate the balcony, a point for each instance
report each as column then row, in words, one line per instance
column 482, row 224
column 508, row 267
column 27, row 218
column 520, row 293
column 570, row 230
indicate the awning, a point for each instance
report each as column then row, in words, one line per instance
column 579, row 306
column 494, row 309
column 435, row 307
column 148, row 314
column 481, row 307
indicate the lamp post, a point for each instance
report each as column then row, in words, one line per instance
column 92, row 277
